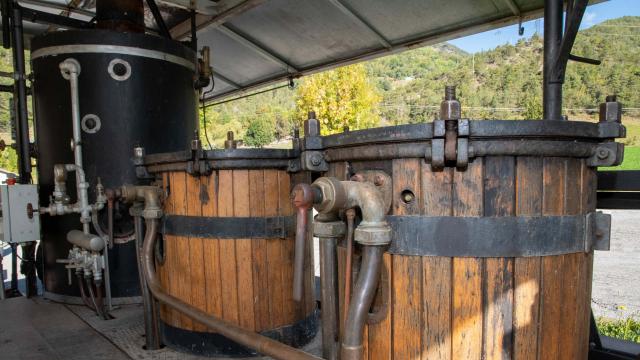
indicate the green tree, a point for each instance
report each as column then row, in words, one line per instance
column 340, row 97
column 260, row 132
column 532, row 107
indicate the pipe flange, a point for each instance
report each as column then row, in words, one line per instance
column 120, row 70
column 91, row 123
column 333, row 194
column 373, row 235
column 331, row 229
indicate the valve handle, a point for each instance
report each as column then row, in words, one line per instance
column 302, row 198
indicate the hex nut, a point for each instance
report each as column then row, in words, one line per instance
column 329, row 229
column 152, row 213
column 373, row 235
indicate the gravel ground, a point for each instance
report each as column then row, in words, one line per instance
column 616, row 280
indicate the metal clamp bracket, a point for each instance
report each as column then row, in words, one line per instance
column 607, row 154
column 450, row 144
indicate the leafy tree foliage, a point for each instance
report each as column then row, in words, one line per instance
column 260, row 132
column 340, row 97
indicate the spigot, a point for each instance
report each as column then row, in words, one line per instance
column 303, row 198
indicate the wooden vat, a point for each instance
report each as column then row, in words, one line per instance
column 246, row 279
column 440, row 305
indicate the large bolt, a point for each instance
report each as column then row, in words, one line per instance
column 450, row 92
column 378, row 180
column 311, row 125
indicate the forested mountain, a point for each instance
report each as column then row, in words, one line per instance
column 492, row 83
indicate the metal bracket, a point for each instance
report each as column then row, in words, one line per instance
column 313, row 161
column 607, row 154
column 598, row 232
column 269, row 227
column 441, row 141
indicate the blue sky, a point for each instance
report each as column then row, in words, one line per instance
column 595, row 14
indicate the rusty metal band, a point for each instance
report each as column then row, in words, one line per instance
column 268, row 227
column 509, row 236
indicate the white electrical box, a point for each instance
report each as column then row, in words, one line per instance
column 20, row 217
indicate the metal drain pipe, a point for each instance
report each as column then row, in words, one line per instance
column 260, row 343
column 330, row 195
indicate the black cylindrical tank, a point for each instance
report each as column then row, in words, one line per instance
column 134, row 90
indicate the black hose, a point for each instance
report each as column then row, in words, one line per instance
column 83, row 293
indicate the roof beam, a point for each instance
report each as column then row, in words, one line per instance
column 357, row 18
column 251, row 44
column 183, row 30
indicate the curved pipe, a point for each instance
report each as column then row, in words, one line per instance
column 363, row 294
column 85, row 241
column 261, row 344
column 369, row 199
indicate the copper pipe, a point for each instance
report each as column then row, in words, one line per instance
column 350, row 214
column 260, row 343
column 302, row 197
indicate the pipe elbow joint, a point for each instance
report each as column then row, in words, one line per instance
column 150, row 195
column 334, row 195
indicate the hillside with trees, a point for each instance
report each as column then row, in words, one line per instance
column 502, row 83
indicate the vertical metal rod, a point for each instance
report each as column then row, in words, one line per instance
column 329, row 298
column 2, row 294
column 552, row 88
column 194, row 31
column 20, row 96
column 14, row 268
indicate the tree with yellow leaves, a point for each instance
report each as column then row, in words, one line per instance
column 340, row 97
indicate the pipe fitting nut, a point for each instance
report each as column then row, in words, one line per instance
column 333, row 195
column 330, row 229
column 373, row 234
column 152, row 213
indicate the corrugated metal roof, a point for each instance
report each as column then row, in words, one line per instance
column 259, row 42
column 279, row 39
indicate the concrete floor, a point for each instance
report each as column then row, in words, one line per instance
column 33, row 329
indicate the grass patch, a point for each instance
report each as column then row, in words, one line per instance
column 628, row 329
column 631, row 160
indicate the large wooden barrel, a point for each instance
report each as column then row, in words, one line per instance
column 227, row 249
column 488, row 261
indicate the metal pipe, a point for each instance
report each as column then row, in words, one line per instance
column 20, row 95
column 303, row 198
column 350, row 214
column 70, row 69
column 363, row 295
column 552, row 88
column 86, row 241
column 329, row 297
column 260, row 343
column 152, row 332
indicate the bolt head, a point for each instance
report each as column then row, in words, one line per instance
column 602, row 154
column 378, row 180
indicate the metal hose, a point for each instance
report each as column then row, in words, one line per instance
column 260, row 343
column 363, row 294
